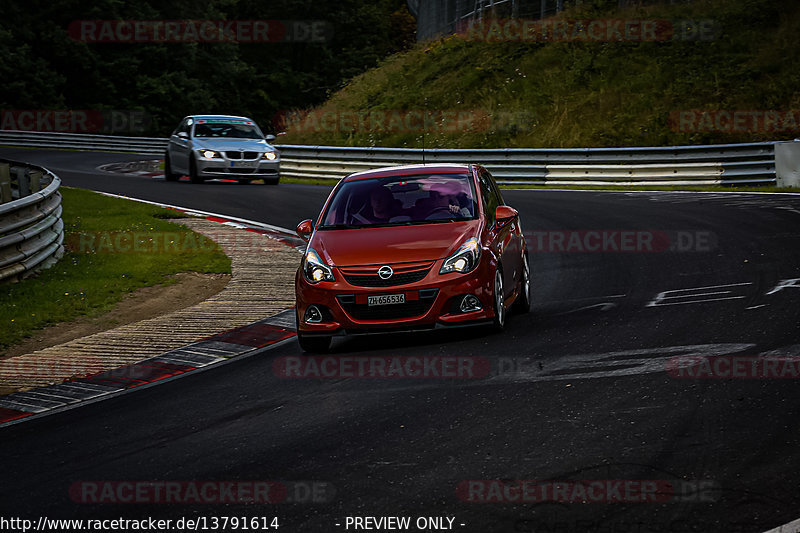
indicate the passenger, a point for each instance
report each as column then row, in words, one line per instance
column 443, row 202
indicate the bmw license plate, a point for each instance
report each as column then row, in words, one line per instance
column 386, row 299
column 244, row 164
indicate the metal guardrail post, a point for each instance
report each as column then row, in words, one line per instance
column 5, row 183
column 23, row 183
column 35, row 178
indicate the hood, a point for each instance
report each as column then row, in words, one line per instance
column 222, row 144
column 394, row 244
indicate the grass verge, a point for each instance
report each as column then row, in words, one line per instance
column 102, row 264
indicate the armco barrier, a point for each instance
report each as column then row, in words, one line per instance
column 721, row 164
column 675, row 165
column 31, row 229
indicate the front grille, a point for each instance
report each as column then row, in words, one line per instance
column 376, row 281
column 241, row 155
column 403, row 274
column 410, row 309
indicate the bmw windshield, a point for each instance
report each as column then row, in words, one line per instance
column 229, row 130
column 402, row 200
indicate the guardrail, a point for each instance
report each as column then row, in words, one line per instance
column 722, row 164
column 31, row 229
column 84, row 141
column 675, row 165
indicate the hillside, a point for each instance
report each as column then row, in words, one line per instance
column 710, row 71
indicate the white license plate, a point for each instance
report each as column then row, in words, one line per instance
column 244, row 164
column 386, row 299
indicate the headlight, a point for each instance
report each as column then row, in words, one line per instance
column 314, row 270
column 465, row 259
column 209, row 154
column 270, row 155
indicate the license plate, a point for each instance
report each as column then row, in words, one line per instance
column 244, row 164
column 386, row 299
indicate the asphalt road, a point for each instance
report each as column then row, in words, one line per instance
column 583, row 388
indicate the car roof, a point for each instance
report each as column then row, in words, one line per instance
column 410, row 170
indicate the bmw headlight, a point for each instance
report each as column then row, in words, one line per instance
column 465, row 259
column 270, row 155
column 314, row 270
column 209, row 154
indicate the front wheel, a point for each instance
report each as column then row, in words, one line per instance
column 499, row 321
column 523, row 302
column 193, row 176
column 243, row 181
column 169, row 175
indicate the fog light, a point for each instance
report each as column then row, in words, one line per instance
column 470, row 303
column 313, row 315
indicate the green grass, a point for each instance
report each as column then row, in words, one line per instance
column 588, row 94
column 97, row 271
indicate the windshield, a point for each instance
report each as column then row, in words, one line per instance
column 230, row 130
column 402, row 200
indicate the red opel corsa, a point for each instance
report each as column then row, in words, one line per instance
column 407, row 248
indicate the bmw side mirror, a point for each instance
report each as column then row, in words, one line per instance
column 504, row 214
column 305, row 228
column 270, row 138
column 183, row 135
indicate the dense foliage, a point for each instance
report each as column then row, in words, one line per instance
column 43, row 65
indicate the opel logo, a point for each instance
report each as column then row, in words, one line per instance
column 385, row 272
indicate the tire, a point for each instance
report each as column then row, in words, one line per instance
column 243, row 181
column 271, row 181
column 193, row 171
column 523, row 302
column 168, row 174
column 499, row 320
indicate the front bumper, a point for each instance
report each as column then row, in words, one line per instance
column 224, row 167
column 430, row 303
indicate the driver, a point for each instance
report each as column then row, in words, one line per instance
column 444, row 198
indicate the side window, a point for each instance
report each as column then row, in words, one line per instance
column 489, row 196
column 496, row 190
column 184, row 126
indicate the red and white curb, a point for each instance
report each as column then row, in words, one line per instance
column 242, row 341
column 246, row 340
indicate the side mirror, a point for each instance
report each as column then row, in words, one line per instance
column 504, row 214
column 270, row 138
column 305, row 228
column 183, row 135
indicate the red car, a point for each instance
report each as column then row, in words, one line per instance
column 407, row 248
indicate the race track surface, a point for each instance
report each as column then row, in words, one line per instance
column 602, row 383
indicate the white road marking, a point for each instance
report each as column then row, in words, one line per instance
column 190, row 211
column 661, row 299
column 791, row 527
column 785, row 284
